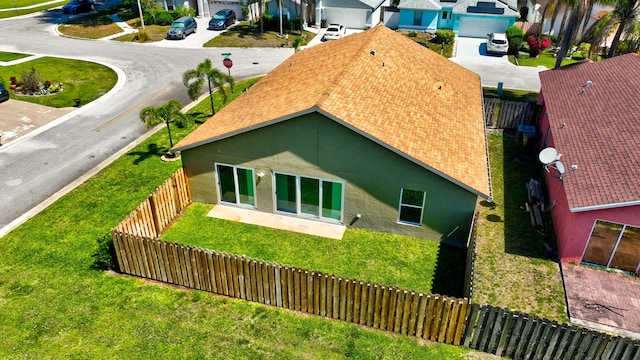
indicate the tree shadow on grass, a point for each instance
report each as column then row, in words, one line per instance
column 153, row 150
column 448, row 277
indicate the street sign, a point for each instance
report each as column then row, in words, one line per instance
column 226, row 55
column 227, row 63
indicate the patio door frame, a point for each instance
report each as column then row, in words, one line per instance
column 614, row 249
column 299, row 206
column 236, row 184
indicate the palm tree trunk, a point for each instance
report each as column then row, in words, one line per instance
column 213, row 111
column 169, row 131
column 561, row 33
column 568, row 36
column 616, row 40
column 555, row 15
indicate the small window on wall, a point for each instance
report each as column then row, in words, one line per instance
column 411, row 206
column 445, row 15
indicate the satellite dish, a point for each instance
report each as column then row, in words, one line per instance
column 588, row 83
column 560, row 166
column 548, row 155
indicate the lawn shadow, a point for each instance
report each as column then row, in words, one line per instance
column 520, row 237
column 448, row 276
column 153, row 150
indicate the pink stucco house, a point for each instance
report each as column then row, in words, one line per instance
column 591, row 117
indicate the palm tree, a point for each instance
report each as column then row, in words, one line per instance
column 577, row 8
column 194, row 79
column 170, row 112
column 625, row 12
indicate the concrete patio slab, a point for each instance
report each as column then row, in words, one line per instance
column 275, row 221
column 603, row 300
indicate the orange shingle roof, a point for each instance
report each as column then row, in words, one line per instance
column 597, row 128
column 405, row 97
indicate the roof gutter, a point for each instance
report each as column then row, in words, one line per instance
column 605, row 206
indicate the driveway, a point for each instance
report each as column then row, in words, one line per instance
column 493, row 69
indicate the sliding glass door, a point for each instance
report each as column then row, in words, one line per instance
column 236, row 185
column 309, row 197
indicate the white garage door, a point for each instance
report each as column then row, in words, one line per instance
column 478, row 27
column 349, row 17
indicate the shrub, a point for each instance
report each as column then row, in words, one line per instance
column 245, row 11
column 142, row 36
column 515, row 35
column 537, row 44
column 31, row 81
column 413, row 34
column 445, row 36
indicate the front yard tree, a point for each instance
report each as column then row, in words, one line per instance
column 170, row 112
column 194, row 79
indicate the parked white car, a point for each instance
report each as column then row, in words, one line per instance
column 334, row 32
column 497, row 43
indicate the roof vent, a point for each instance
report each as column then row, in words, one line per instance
column 372, row 52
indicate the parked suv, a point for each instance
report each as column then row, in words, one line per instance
column 222, row 19
column 497, row 43
column 182, row 27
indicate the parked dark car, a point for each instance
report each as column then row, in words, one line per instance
column 222, row 19
column 182, row 27
column 78, row 6
column 4, row 94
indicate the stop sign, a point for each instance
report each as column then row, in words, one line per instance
column 227, row 63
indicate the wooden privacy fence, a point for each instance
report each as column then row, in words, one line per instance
column 471, row 258
column 426, row 316
column 154, row 214
column 500, row 114
column 521, row 336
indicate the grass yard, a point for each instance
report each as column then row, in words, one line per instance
column 242, row 35
column 90, row 26
column 55, row 304
column 388, row 259
column 10, row 56
column 510, row 94
column 513, row 269
column 545, row 59
column 84, row 80
column 14, row 4
column 445, row 50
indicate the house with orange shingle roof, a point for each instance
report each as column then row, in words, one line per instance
column 591, row 123
column 371, row 131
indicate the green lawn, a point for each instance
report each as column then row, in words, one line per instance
column 10, row 4
column 84, row 80
column 513, row 269
column 242, row 35
column 545, row 59
column 364, row 255
column 510, row 94
column 55, row 304
column 10, row 56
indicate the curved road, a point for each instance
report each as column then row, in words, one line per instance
column 36, row 167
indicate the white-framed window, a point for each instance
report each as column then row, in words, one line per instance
column 308, row 196
column 411, row 206
column 236, row 185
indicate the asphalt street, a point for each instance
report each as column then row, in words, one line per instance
column 40, row 165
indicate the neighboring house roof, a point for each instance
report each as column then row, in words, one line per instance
column 420, row 4
column 373, row 4
column 597, row 128
column 406, row 98
column 460, row 6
